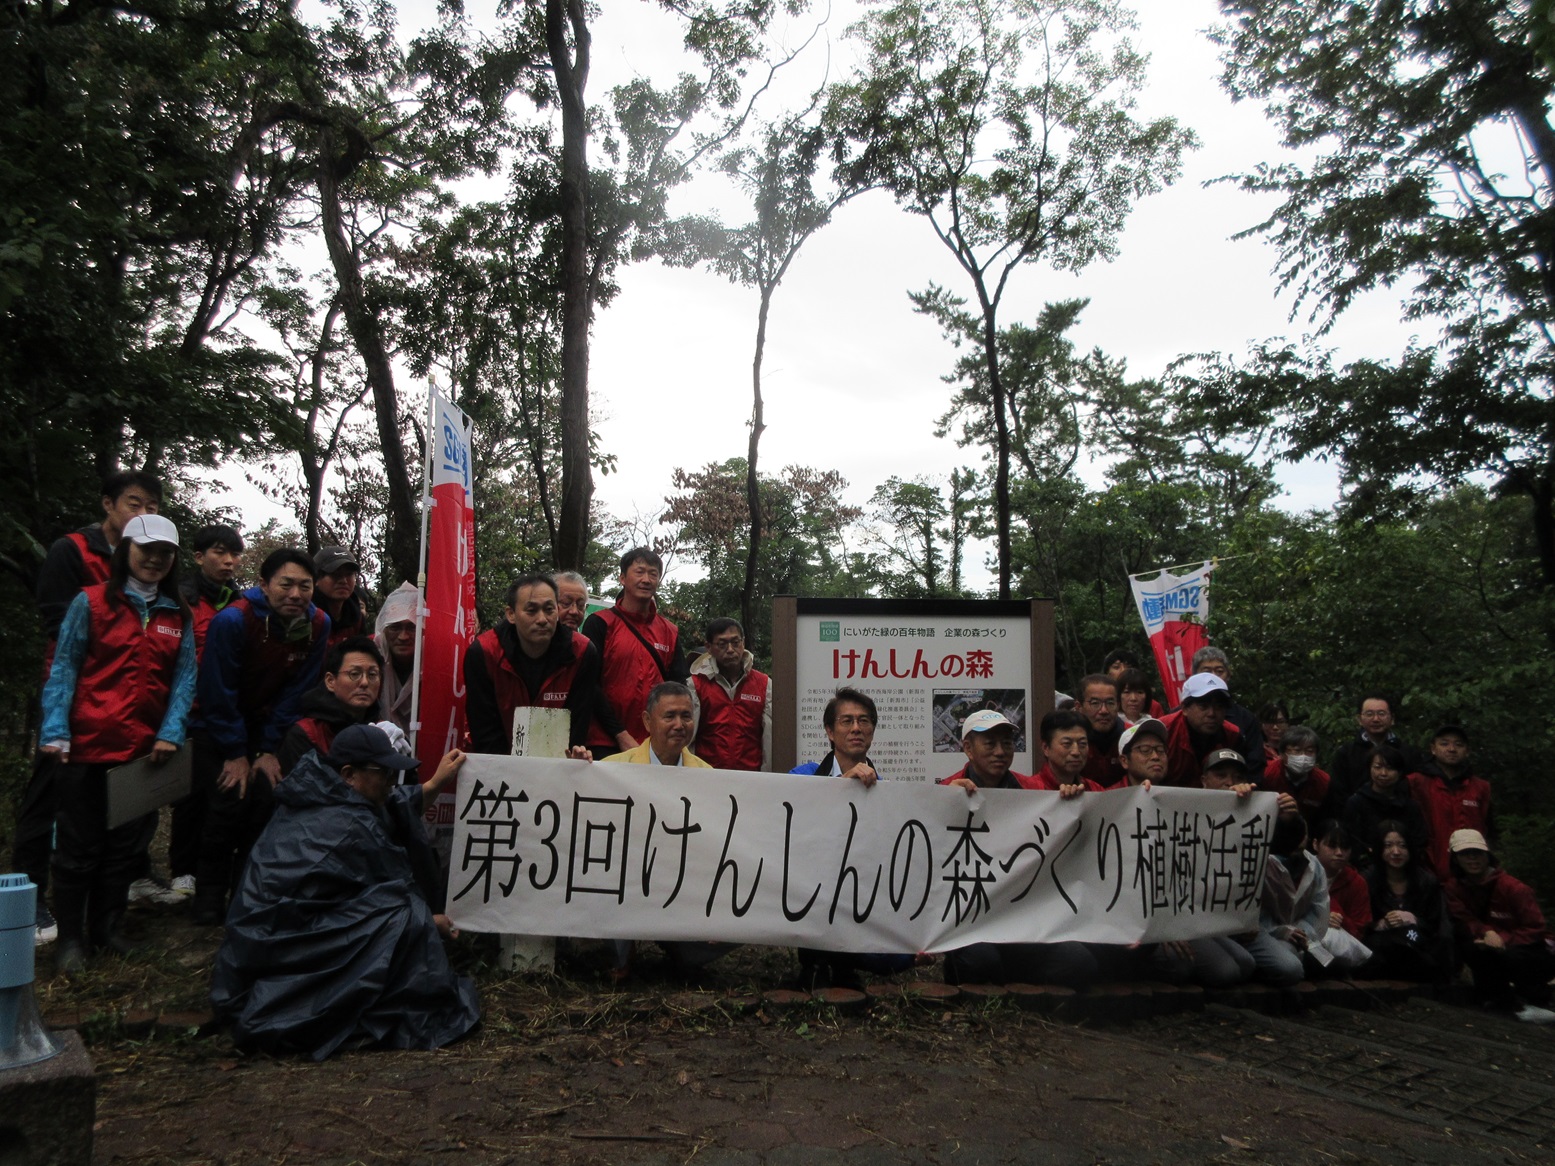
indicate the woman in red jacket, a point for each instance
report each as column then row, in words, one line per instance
column 120, row 688
column 1500, row 931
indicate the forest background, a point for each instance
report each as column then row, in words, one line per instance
column 238, row 236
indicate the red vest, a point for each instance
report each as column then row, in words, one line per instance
column 320, row 734
column 94, row 567
column 269, row 664
column 628, row 673
column 1447, row 806
column 509, row 687
column 729, row 735
column 125, row 681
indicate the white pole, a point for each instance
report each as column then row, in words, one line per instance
column 427, row 502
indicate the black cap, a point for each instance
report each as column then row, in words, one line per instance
column 1450, row 728
column 367, row 745
column 328, row 560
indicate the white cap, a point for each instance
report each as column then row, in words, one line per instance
column 982, row 721
column 1147, row 725
column 146, row 529
column 1202, row 684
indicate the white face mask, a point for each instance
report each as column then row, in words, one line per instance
column 1299, row 763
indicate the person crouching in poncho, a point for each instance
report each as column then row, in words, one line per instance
column 331, row 941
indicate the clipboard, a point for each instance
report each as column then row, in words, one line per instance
column 139, row 787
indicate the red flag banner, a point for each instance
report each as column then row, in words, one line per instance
column 1174, row 609
column 450, row 590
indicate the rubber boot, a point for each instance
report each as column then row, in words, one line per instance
column 70, row 897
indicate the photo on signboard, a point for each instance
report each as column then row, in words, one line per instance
column 954, row 705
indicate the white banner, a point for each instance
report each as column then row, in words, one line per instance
column 1172, row 597
column 547, row 847
column 927, row 674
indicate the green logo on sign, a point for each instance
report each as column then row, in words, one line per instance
column 831, row 631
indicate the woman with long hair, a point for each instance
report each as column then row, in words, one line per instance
column 120, row 688
column 1409, row 930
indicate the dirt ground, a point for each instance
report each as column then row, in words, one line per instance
column 566, row 1070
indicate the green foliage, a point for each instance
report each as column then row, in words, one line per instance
column 1434, row 173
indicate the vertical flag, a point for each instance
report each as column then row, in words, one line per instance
column 1174, row 609
column 449, row 624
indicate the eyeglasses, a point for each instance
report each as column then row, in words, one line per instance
column 357, row 675
column 730, row 642
column 1099, row 704
column 1148, row 750
column 851, row 722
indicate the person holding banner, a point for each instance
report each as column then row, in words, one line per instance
column 262, row 652
column 1198, row 729
column 988, row 740
column 529, row 661
column 332, row 940
column 120, row 688
column 638, row 649
column 849, row 720
column 1217, row 663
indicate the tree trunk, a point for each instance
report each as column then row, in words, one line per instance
column 752, row 485
column 401, row 546
column 571, row 69
column 1001, row 482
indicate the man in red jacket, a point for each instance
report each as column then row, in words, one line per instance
column 1198, row 728
column 735, row 731
column 1098, row 701
column 638, row 649
column 529, row 660
column 1450, row 795
column 1500, row 931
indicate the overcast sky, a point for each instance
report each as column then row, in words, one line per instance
column 852, row 375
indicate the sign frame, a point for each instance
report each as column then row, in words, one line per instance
column 787, row 609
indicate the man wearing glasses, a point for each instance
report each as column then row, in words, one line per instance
column 1098, row 703
column 849, row 721
column 735, row 729
column 348, row 695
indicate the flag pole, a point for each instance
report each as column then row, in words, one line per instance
column 427, row 502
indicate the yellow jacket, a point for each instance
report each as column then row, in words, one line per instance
column 639, row 756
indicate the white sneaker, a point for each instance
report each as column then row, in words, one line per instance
column 153, row 891
column 1531, row 1014
column 183, row 886
column 47, row 929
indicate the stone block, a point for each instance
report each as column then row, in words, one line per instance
column 47, row 1109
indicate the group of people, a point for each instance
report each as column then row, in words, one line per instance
column 302, row 830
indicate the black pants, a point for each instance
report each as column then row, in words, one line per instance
column 34, row 837
column 1509, row 976
column 183, row 847
column 1073, row 965
column 233, row 821
column 93, row 865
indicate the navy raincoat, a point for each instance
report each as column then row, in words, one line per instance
column 330, row 939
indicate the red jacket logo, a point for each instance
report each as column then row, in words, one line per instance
column 553, row 697
column 755, row 696
column 177, row 633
